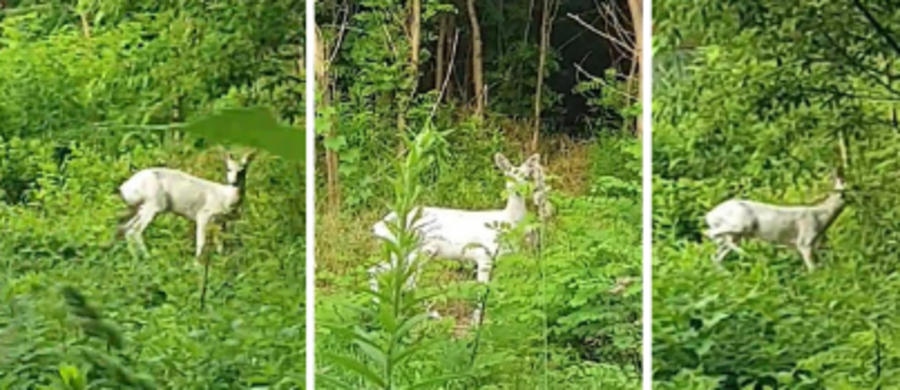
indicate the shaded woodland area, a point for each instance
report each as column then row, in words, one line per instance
column 415, row 98
column 766, row 100
column 91, row 92
column 525, row 71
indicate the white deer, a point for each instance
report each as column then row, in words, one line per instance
column 464, row 235
column 153, row 191
column 796, row 226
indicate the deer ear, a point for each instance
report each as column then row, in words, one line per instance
column 502, row 162
column 534, row 160
column 248, row 157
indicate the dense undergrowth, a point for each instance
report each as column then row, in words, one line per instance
column 554, row 318
column 400, row 126
column 769, row 323
column 88, row 95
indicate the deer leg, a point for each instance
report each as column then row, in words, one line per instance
column 126, row 230
column 412, row 282
column 483, row 271
column 142, row 220
column 126, row 221
column 220, row 238
column 806, row 252
column 426, row 253
column 483, row 275
column 374, row 272
column 202, row 220
column 731, row 243
column 721, row 252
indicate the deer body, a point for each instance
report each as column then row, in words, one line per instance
column 463, row 235
column 185, row 195
column 797, row 226
column 460, row 235
column 153, row 191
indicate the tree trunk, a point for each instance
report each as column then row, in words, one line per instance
column 477, row 61
column 450, row 62
column 527, row 35
column 634, row 6
column 415, row 33
column 323, row 83
column 441, row 53
column 542, row 60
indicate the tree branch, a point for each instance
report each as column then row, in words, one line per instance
column 609, row 37
column 341, row 33
column 874, row 98
column 446, row 78
column 881, row 30
column 874, row 74
column 605, row 84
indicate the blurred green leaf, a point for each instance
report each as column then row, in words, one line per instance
column 254, row 127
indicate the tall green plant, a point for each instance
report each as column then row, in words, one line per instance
column 398, row 311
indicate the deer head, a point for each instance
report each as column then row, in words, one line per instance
column 516, row 176
column 236, row 170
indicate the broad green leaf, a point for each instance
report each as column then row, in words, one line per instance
column 355, row 366
column 332, row 381
column 437, row 380
column 253, row 127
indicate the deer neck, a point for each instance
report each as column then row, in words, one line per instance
column 515, row 207
column 237, row 190
column 831, row 208
column 241, row 190
column 233, row 197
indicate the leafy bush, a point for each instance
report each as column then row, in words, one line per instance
column 553, row 316
column 746, row 114
column 82, row 107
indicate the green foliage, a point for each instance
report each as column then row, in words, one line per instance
column 82, row 107
column 393, row 347
column 518, row 61
column 252, row 328
column 753, row 101
column 375, row 86
column 614, row 93
column 552, row 319
column 231, row 126
column 555, row 318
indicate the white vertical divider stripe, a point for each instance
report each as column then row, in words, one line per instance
column 310, row 17
column 647, row 154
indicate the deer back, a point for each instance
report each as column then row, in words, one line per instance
column 188, row 195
